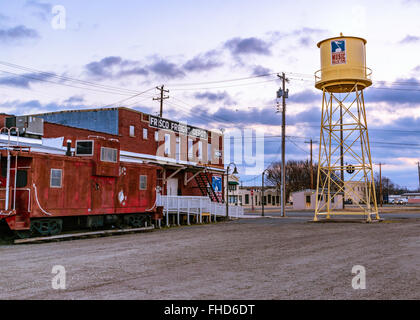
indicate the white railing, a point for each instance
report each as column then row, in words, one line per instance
column 192, row 205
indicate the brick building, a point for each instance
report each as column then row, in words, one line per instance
column 191, row 158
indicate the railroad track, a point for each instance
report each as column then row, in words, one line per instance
column 78, row 235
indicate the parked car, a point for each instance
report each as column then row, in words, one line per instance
column 403, row 201
column 399, row 201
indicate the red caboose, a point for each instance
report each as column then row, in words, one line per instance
column 44, row 191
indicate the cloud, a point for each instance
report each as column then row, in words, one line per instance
column 3, row 17
column 251, row 116
column 303, row 33
column 307, row 30
column 305, row 41
column 101, row 68
column 311, row 115
column 18, row 107
column 25, row 80
column 260, row 70
column 114, row 67
column 215, row 97
column 43, row 9
column 306, row 96
column 410, row 39
column 166, row 69
column 240, row 46
column 74, row 99
column 18, row 33
column 203, row 62
column 400, row 91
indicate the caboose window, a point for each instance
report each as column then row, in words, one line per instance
column 143, row 182
column 56, row 178
column 108, row 154
column 21, row 179
column 84, row 148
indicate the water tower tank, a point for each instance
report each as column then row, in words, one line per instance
column 343, row 64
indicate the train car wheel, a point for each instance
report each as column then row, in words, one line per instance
column 24, row 234
column 56, row 226
column 135, row 220
column 48, row 227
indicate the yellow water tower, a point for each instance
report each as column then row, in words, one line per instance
column 344, row 160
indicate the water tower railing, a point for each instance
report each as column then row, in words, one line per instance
column 330, row 74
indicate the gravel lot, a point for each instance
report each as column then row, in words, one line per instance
column 265, row 258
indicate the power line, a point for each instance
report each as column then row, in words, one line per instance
column 62, row 84
column 53, row 75
column 225, row 80
column 129, row 98
column 223, row 87
column 306, row 151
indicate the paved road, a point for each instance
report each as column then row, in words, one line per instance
column 266, row 258
column 309, row 215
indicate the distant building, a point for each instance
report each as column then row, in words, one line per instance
column 251, row 196
column 355, row 191
column 411, row 197
column 306, row 199
column 233, row 185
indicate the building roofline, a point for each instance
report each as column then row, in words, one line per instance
column 73, row 110
column 84, row 129
column 109, row 108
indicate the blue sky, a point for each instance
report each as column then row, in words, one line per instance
column 190, row 46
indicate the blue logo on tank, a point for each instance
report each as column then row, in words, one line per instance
column 338, row 46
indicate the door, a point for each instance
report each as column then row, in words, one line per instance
column 103, row 191
column 172, row 187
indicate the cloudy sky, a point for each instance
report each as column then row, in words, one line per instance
column 219, row 60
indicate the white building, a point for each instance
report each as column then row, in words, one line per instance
column 306, row 199
column 355, row 191
column 233, row 186
column 251, row 196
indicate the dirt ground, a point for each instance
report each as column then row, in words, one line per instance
column 263, row 258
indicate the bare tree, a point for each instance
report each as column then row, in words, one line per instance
column 388, row 187
column 298, row 175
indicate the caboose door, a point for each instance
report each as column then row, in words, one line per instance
column 103, row 194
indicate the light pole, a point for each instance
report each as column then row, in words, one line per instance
column 262, row 193
column 235, row 171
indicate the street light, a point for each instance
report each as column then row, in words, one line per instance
column 235, row 171
column 262, row 193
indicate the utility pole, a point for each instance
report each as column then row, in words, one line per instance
column 312, row 170
column 380, row 183
column 283, row 93
column 312, row 167
column 262, row 195
column 341, row 153
column 418, row 169
column 161, row 98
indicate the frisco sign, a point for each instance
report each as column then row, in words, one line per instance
column 181, row 128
